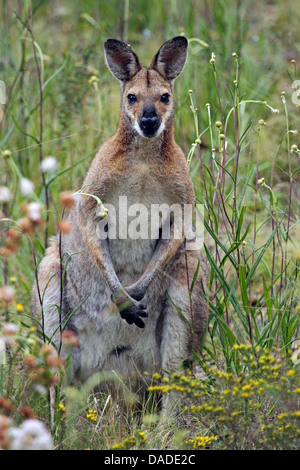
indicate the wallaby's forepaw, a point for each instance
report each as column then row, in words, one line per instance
column 131, row 311
column 133, row 314
column 136, row 292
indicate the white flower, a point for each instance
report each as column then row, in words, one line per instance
column 9, row 330
column 26, row 186
column 7, row 294
column 31, row 435
column 34, row 211
column 48, row 164
column 40, row 389
column 5, row 194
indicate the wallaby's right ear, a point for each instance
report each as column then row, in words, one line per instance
column 170, row 59
column 121, row 60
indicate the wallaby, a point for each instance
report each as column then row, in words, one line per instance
column 129, row 299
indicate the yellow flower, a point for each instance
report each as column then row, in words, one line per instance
column 92, row 415
column 282, row 415
column 156, row 376
column 19, row 308
column 246, row 387
column 142, row 436
column 290, row 373
column 204, row 441
column 219, row 409
column 61, row 407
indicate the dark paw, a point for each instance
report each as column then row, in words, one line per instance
column 136, row 293
column 134, row 314
column 129, row 309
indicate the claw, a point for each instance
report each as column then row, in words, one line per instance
column 139, row 323
column 143, row 314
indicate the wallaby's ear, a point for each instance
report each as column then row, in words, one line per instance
column 170, row 59
column 121, row 60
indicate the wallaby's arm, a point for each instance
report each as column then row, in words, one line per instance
column 129, row 308
column 165, row 251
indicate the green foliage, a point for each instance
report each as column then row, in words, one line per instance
column 254, row 409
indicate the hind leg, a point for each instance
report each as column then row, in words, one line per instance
column 183, row 320
column 184, row 315
column 49, row 307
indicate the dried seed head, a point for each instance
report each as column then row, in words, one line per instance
column 26, row 225
column 27, row 412
column 30, row 361
column 64, row 226
column 67, row 199
column 14, row 235
column 7, row 251
column 6, row 406
column 70, row 339
column 93, row 79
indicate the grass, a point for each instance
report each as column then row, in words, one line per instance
column 237, row 121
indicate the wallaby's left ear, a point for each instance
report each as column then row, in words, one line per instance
column 121, row 60
column 170, row 59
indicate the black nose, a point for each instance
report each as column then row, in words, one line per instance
column 149, row 123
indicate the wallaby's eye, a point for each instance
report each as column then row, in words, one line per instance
column 165, row 98
column 131, row 98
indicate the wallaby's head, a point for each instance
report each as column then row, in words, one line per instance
column 147, row 93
